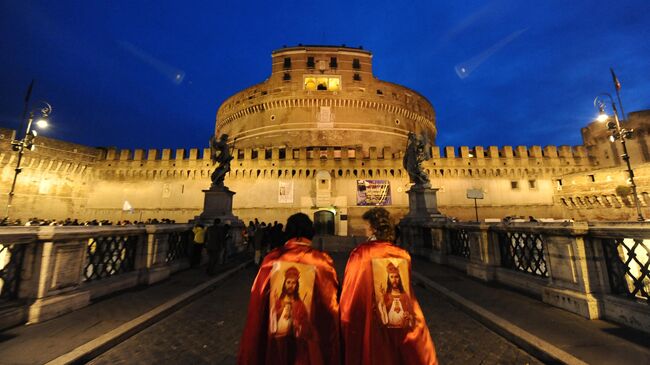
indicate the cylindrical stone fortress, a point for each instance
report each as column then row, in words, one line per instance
column 324, row 96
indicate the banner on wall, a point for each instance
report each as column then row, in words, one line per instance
column 373, row 192
column 285, row 192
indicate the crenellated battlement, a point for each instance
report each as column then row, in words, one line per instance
column 438, row 153
column 347, row 162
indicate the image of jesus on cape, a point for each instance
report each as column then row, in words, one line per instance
column 289, row 316
column 394, row 306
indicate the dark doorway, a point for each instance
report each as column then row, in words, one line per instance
column 324, row 222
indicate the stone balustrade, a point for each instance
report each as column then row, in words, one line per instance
column 597, row 270
column 48, row 271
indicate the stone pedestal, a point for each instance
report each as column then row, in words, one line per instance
column 419, row 225
column 218, row 204
column 423, row 203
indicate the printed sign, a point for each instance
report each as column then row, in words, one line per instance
column 392, row 292
column 474, row 194
column 292, row 286
column 325, row 119
column 373, row 192
column 285, row 192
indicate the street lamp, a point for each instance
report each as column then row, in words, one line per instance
column 621, row 134
column 27, row 142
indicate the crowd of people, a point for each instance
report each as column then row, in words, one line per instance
column 76, row 222
column 296, row 315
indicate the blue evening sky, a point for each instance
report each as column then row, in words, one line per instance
column 151, row 74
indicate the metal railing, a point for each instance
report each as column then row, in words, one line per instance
column 11, row 261
column 178, row 245
column 523, row 251
column 627, row 266
column 459, row 243
column 108, row 256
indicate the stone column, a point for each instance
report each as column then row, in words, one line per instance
column 569, row 266
column 157, row 246
column 483, row 247
column 423, row 226
column 57, row 274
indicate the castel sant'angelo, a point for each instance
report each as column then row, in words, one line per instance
column 324, row 136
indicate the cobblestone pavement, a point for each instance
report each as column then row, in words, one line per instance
column 207, row 331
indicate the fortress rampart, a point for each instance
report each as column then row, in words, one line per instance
column 272, row 162
column 54, row 180
column 62, row 179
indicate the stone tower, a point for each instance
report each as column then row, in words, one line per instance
column 324, row 96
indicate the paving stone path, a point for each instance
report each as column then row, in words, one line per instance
column 207, row 331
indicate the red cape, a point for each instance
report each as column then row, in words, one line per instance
column 366, row 339
column 317, row 342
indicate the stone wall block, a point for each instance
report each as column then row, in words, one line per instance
column 152, row 154
column 125, row 155
column 550, row 151
column 450, row 152
column 522, row 151
column 387, row 153
column 479, row 152
column 373, row 153
column 138, row 154
column 111, row 154
column 565, row 151
column 435, row 151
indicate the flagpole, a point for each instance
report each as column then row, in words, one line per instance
column 617, row 86
column 28, row 95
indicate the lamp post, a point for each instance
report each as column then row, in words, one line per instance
column 27, row 142
column 621, row 134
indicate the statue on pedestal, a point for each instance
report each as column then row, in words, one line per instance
column 220, row 153
column 417, row 151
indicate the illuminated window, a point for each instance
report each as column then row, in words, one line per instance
column 325, row 83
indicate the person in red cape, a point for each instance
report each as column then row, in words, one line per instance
column 297, row 323
column 381, row 320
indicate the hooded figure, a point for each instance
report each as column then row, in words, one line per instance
column 293, row 314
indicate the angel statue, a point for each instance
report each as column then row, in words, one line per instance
column 417, row 151
column 220, row 153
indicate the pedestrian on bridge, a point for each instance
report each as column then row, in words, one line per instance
column 381, row 320
column 215, row 243
column 197, row 246
column 293, row 315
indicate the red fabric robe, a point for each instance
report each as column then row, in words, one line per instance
column 366, row 340
column 317, row 339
